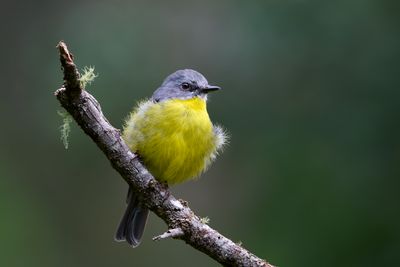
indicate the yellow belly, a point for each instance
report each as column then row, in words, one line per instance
column 174, row 138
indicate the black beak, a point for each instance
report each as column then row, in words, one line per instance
column 210, row 88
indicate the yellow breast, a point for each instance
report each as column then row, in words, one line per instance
column 174, row 138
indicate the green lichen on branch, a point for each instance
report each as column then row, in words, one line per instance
column 65, row 128
column 87, row 77
column 205, row 220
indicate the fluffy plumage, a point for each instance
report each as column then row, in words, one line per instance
column 175, row 138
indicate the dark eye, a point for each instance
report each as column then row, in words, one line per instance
column 185, row 86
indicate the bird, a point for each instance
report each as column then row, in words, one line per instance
column 174, row 138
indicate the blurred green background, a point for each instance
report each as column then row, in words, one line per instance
column 311, row 101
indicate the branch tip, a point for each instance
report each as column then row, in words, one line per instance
column 71, row 73
column 63, row 49
column 171, row 233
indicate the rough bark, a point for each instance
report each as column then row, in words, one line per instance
column 184, row 224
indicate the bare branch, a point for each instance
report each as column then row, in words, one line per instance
column 86, row 111
column 71, row 73
column 172, row 233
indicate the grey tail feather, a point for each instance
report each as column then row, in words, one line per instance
column 131, row 227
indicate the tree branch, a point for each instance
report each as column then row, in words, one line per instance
column 86, row 111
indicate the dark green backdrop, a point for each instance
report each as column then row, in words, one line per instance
column 311, row 101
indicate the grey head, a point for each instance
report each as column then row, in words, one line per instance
column 184, row 84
